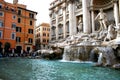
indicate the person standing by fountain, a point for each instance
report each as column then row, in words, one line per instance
column 102, row 18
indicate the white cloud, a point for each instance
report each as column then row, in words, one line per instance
column 40, row 6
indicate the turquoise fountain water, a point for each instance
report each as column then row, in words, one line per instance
column 35, row 69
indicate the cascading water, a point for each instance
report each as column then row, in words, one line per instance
column 103, row 55
column 106, row 55
column 76, row 53
column 100, row 58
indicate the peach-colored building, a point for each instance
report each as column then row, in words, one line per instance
column 42, row 36
column 17, row 25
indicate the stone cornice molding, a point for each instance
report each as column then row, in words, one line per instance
column 57, row 4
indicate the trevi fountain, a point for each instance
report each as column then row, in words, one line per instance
column 81, row 56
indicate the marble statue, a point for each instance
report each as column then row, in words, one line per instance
column 102, row 18
column 111, row 34
column 80, row 25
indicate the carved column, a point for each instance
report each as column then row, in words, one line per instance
column 86, row 16
column 116, row 13
column 64, row 20
column 57, row 16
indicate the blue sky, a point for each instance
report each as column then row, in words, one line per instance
column 40, row 6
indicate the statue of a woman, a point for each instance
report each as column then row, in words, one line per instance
column 80, row 25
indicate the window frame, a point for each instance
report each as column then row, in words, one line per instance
column 1, row 34
column 13, row 35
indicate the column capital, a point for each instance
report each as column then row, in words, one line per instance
column 63, row 6
column 56, row 10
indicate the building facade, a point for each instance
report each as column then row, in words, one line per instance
column 16, row 26
column 42, row 33
column 70, row 17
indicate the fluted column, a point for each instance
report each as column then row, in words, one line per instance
column 64, row 21
column 86, row 16
column 116, row 13
column 93, row 21
column 57, row 22
column 72, row 20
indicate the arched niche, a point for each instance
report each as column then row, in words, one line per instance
column 107, row 6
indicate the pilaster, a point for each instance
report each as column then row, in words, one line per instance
column 64, row 20
column 72, row 20
column 56, row 12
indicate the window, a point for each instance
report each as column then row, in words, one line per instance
column 30, row 40
column 1, row 14
column 19, row 12
column 53, row 15
column 44, row 34
column 44, row 29
column 31, row 23
column 60, row 29
column 31, row 15
column 60, row 11
column 1, row 23
column 18, row 39
column 0, row 6
column 48, row 41
column 44, row 40
column 18, row 29
column 14, row 17
column 12, row 9
column 13, row 25
column 48, row 34
column 19, row 20
column 13, row 36
column 48, row 29
column 30, row 31
column 1, row 33
column 53, row 31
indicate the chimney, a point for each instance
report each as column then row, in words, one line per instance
column 15, row 1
